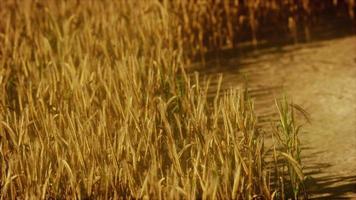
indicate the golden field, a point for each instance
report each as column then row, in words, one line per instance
column 96, row 103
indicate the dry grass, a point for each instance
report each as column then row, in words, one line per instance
column 96, row 104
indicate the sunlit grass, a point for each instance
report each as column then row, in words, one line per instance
column 96, row 104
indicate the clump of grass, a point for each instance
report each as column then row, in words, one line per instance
column 286, row 133
column 96, row 104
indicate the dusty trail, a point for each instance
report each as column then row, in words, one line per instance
column 320, row 77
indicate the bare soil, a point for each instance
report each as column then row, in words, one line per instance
column 321, row 78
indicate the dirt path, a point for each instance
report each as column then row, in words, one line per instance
column 326, row 88
column 320, row 77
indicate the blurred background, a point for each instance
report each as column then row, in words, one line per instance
column 213, row 25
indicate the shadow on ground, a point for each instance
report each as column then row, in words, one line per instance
column 320, row 185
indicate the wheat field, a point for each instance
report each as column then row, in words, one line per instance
column 96, row 103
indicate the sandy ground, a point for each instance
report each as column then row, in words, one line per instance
column 320, row 77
